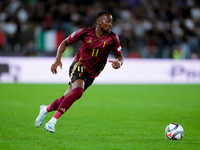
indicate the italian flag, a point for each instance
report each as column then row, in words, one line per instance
column 49, row 40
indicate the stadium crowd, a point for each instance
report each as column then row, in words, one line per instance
column 146, row 28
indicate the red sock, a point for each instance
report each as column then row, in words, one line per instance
column 68, row 101
column 54, row 106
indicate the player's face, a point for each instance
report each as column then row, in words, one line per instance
column 106, row 23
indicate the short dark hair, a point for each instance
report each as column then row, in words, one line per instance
column 101, row 14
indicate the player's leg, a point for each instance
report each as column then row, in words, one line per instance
column 52, row 107
column 77, row 91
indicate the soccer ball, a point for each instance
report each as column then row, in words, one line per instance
column 174, row 131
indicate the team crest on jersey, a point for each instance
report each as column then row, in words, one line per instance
column 105, row 43
column 89, row 41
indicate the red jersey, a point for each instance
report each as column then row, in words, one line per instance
column 94, row 51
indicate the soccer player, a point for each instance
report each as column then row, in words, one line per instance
column 96, row 44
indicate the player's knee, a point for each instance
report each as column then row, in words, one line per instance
column 78, row 92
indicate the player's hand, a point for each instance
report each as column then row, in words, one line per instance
column 115, row 64
column 55, row 65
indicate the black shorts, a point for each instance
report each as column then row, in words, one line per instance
column 76, row 71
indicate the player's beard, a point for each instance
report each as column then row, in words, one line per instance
column 106, row 31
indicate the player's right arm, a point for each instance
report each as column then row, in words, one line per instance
column 61, row 49
column 75, row 36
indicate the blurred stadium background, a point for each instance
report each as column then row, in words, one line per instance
column 161, row 45
column 147, row 29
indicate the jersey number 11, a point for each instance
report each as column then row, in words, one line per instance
column 95, row 52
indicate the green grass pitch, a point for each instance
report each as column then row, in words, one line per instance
column 107, row 117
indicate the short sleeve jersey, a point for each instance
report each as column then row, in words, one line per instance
column 94, row 51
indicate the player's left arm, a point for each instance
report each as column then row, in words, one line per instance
column 117, row 63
